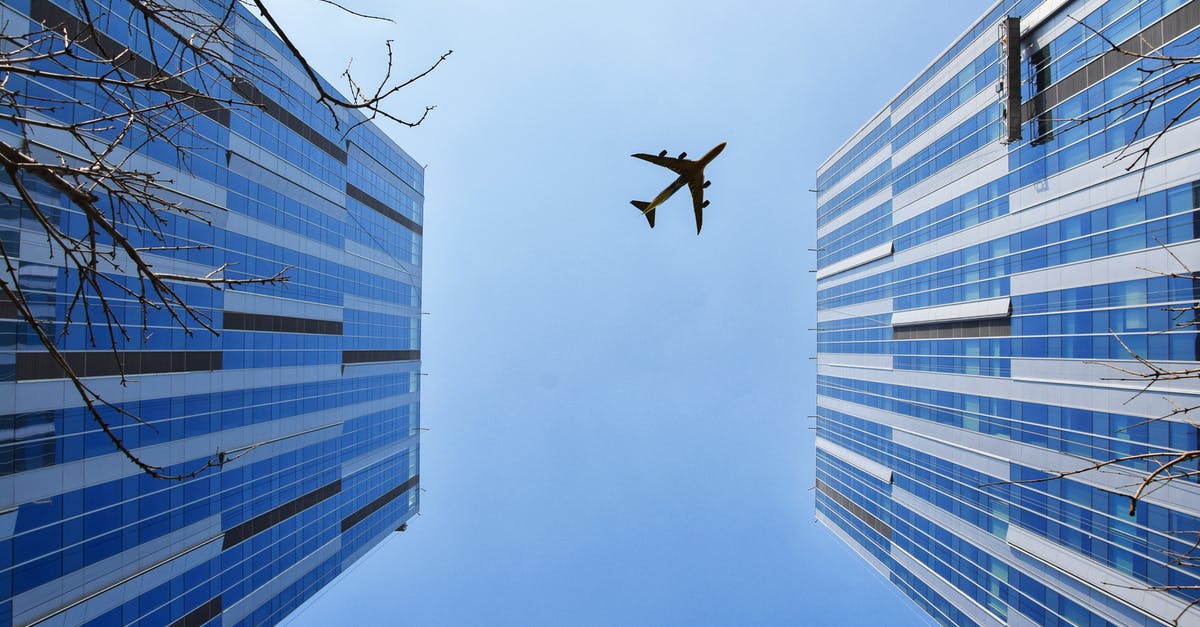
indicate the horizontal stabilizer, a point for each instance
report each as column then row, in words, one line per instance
column 643, row 206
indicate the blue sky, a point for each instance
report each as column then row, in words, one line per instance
column 618, row 431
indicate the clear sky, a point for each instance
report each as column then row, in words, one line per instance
column 617, row 416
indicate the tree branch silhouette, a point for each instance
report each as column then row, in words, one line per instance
column 79, row 112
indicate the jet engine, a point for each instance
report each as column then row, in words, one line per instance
column 704, row 204
column 662, row 154
column 706, row 184
column 683, row 155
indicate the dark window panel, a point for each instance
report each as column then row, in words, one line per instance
column 855, row 509
column 374, row 506
column 1113, row 61
column 386, row 211
column 366, row 356
column 280, row 324
column 200, row 615
column 38, row 365
column 998, row 327
column 262, row 522
column 47, row 13
column 247, row 90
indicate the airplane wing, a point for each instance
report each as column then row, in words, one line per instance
column 671, row 163
column 696, row 186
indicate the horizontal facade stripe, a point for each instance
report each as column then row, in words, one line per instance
column 272, row 305
column 89, row 548
column 383, row 209
column 947, row 590
column 841, row 534
column 200, row 615
column 280, row 324
column 1064, row 392
column 368, row 356
column 1043, row 12
column 240, row 533
column 69, row 614
column 266, row 168
column 246, row 606
column 38, row 365
column 873, row 468
column 401, row 171
column 1183, row 392
column 865, row 144
column 960, row 451
column 854, row 261
column 1097, row 602
column 968, row 109
column 105, row 583
column 1163, row 31
column 989, row 454
column 53, row 17
column 862, row 361
column 1115, row 268
column 854, row 508
column 239, row 223
column 362, row 303
column 374, row 456
column 838, row 223
column 971, row 310
column 374, row 506
column 1159, row 605
column 1016, row 389
column 244, row 88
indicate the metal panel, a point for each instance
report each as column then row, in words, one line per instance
column 1010, row 79
column 1043, row 12
column 880, row 527
column 973, row 310
column 854, row 261
column 873, row 468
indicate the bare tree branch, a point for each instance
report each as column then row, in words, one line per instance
column 97, row 109
column 1155, row 469
column 1153, row 65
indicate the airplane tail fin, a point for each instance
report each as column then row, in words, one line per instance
column 642, row 206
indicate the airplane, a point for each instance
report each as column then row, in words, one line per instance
column 690, row 173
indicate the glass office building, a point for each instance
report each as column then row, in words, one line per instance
column 310, row 388
column 980, row 259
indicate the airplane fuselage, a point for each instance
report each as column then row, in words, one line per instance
column 697, row 167
column 689, row 173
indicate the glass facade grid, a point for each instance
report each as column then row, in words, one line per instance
column 968, row 415
column 311, row 387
